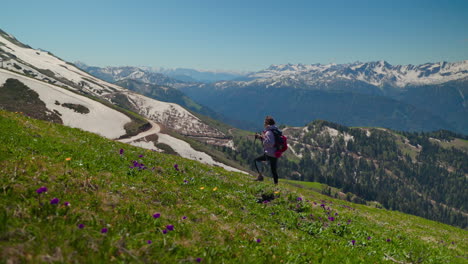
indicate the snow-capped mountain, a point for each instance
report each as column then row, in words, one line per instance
column 65, row 90
column 205, row 76
column 161, row 76
column 115, row 74
column 316, row 76
column 415, row 98
column 378, row 74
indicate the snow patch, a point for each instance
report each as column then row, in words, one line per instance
column 181, row 147
column 101, row 119
column 144, row 144
column 331, row 131
column 294, row 152
column 60, row 69
column 185, row 150
column 173, row 116
column 335, row 133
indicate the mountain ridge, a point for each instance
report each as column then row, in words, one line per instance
column 444, row 85
column 377, row 73
column 28, row 63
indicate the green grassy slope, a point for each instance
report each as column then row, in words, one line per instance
column 174, row 210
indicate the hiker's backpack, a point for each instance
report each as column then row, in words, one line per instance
column 281, row 142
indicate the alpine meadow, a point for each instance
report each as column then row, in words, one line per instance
column 234, row 132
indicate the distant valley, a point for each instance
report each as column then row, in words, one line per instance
column 424, row 97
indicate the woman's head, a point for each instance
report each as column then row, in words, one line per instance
column 269, row 121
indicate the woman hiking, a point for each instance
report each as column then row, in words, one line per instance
column 268, row 140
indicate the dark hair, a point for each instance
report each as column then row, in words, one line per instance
column 269, row 120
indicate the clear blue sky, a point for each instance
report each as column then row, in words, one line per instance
column 241, row 34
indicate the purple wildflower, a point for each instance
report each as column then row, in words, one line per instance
column 41, row 190
column 322, row 205
column 259, row 240
column 176, row 167
column 81, row 226
column 331, row 218
column 54, row 201
column 170, row 227
column 121, row 151
column 66, row 203
column 299, row 198
column 141, row 156
column 199, row 260
column 156, row 215
column 369, row 238
column 336, row 214
column 353, row 242
column 104, row 230
column 164, row 231
column 389, row 240
column 135, row 164
column 149, row 241
column 184, row 217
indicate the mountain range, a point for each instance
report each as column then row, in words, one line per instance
column 160, row 76
column 378, row 74
column 423, row 97
column 411, row 98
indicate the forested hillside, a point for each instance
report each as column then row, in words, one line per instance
column 424, row 174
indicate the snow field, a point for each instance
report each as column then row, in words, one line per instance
column 101, row 119
column 43, row 60
column 181, row 147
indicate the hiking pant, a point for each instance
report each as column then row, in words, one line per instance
column 273, row 164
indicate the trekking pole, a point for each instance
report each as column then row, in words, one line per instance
column 256, row 136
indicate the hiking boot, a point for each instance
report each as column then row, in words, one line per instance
column 259, row 178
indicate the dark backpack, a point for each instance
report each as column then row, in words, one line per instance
column 281, row 142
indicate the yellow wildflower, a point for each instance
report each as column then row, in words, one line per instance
column 215, row 188
column 68, row 159
column 202, row 188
